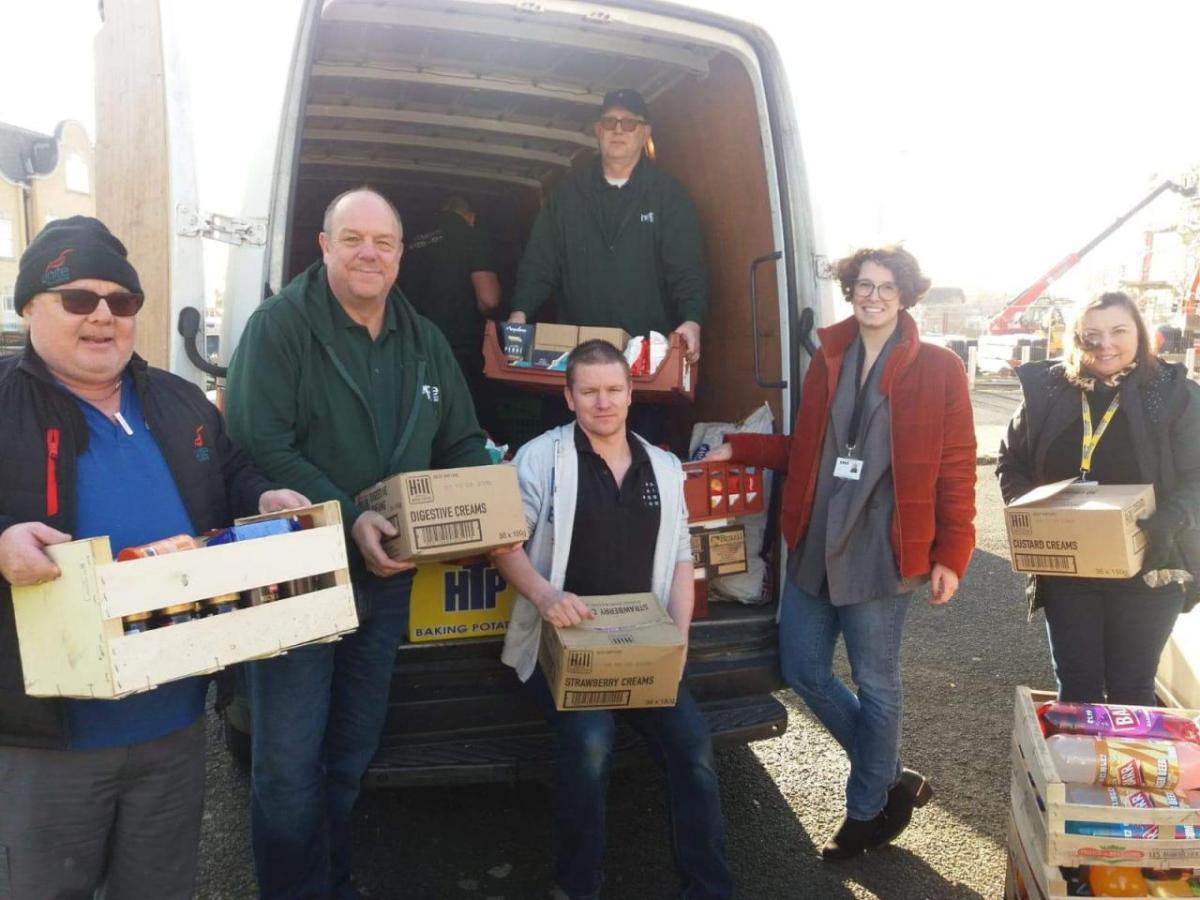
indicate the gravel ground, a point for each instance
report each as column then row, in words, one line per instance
column 782, row 797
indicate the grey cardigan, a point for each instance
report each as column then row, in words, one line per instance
column 548, row 471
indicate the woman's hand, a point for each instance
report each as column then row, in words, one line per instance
column 943, row 584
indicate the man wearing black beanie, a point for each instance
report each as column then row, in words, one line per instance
column 101, row 795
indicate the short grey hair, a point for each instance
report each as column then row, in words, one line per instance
column 327, row 221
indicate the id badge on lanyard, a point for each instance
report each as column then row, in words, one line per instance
column 848, row 468
column 1092, row 439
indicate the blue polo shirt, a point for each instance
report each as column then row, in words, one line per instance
column 126, row 491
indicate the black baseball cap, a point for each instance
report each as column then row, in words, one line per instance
column 626, row 98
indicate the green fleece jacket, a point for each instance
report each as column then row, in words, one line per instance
column 629, row 257
column 292, row 404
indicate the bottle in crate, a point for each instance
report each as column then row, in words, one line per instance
column 1162, row 765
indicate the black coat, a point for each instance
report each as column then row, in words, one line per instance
column 1163, row 411
column 215, row 479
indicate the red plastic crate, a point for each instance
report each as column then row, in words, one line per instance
column 674, row 382
column 721, row 490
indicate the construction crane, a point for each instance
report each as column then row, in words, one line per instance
column 1009, row 321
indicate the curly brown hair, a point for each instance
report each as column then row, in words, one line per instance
column 902, row 264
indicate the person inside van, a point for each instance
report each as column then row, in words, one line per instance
column 879, row 499
column 1112, row 413
column 618, row 243
column 335, row 385
column 606, row 515
column 449, row 278
column 101, row 797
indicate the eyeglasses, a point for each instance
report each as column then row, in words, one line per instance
column 610, row 123
column 864, row 288
column 80, row 302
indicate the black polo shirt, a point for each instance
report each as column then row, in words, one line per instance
column 616, row 528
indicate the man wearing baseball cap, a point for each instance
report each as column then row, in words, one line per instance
column 618, row 243
column 101, row 794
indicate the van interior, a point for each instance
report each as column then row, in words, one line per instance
column 423, row 101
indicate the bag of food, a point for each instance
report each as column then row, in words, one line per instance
column 748, row 587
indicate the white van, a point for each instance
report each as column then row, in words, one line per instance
column 494, row 101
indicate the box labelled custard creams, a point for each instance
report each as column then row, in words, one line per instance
column 630, row 655
column 449, row 513
column 1079, row 528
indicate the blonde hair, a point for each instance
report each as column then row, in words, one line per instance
column 1075, row 348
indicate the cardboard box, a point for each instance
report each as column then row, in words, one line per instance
column 452, row 602
column 518, row 339
column 618, row 337
column 1079, row 528
column 538, row 344
column 70, row 631
column 719, row 551
column 629, row 656
column 449, row 513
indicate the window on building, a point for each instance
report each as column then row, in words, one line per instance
column 6, row 236
column 78, row 177
column 6, row 300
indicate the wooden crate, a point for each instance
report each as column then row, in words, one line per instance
column 74, row 645
column 1021, row 881
column 1041, row 811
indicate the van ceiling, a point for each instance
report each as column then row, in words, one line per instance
column 471, row 97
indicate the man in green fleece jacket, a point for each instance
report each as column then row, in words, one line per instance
column 336, row 384
column 618, row 243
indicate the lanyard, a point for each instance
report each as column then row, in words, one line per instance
column 1090, row 439
column 860, row 397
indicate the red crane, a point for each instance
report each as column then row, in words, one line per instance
column 1006, row 321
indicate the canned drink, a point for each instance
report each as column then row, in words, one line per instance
column 158, row 548
column 258, row 596
column 136, row 623
column 298, row 586
column 179, row 613
column 222, row 603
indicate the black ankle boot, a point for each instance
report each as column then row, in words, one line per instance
column 853, row 837
column 910, row 792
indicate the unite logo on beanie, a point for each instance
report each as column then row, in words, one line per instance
column 57, row 271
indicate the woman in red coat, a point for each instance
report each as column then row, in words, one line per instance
column 879, row 499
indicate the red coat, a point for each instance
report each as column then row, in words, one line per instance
column 933, row 448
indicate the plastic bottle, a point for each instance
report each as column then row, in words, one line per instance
column 158, row 548
column 1171, row 882
column 1117, row 881
column 1164, row 765
column 1133, row 798
column 1117, row 721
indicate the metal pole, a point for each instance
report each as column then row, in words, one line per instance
column 972, row 365
column 1026, row 352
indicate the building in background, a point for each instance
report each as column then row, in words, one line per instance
column 43, row 177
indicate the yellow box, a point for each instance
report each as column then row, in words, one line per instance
column 451, row 602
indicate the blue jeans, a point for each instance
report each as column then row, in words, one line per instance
column 867, row 725
column 1106, row 636
column 317, row 714
column 679, row 741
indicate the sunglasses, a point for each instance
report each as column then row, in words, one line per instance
column 610, row 123
column 80, row 302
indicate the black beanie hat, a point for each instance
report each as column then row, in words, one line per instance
column 67, row 250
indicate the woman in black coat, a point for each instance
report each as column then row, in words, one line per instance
column 1106, row 635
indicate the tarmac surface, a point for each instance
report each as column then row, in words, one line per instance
column 782, row 798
